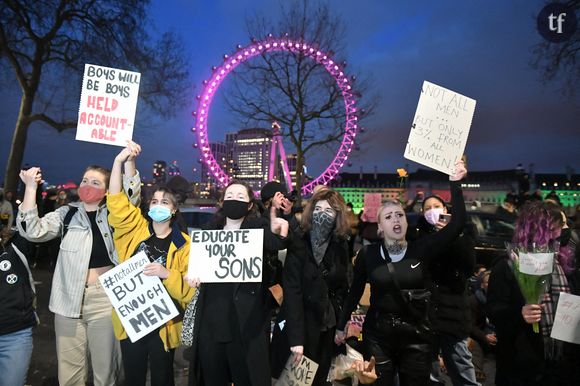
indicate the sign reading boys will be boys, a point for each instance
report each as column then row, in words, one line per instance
column 227, row 256
column 141, row 302
column 440, row 128
column 108, row 105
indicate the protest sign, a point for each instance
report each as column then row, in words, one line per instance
column 440, row 128
column 536, row 264
column 301, row 374
column 567, row 320
column 108, row 105
column 372, row 203
column 142, row 302
column 227, row 256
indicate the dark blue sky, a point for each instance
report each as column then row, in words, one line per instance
column 481, row 49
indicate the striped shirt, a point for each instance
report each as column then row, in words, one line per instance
column 70, row 272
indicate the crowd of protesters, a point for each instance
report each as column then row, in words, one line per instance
column 432, row 307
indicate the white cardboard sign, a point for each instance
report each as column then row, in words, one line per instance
column 108, row 105
column 142, row 302
column 301, row 374
column 440, row 128
column 226, row 256
column 536, row 264
column 567, row 320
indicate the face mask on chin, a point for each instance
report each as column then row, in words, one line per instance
column 91, row 195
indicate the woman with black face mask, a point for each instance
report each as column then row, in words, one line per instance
column 231, row 327
column 315, row 283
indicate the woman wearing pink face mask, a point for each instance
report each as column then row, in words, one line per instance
column 450, row 311
column 81, row 307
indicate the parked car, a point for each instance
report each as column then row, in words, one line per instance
column 490, row 233
column 196, row 216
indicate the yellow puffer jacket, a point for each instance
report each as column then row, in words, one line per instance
column 131, row 228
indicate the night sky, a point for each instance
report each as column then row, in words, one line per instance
column 481, row 49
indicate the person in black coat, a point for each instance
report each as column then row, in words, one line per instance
column 396, row 328
column 524, row 357
column 315, row 283
column 232, row 322
column 17, row 313
column 450, row 311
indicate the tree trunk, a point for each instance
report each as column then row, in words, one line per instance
column 18, row 146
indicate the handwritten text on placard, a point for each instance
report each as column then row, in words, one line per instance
column 536, row 263
column 301, row 374
column 567, row 320
column 108, row 105
column 141, row 302
column 226, row 255
column 440, row 128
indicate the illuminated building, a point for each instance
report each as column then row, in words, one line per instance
column 209, row 186
column 251, row 155
column 481, row 188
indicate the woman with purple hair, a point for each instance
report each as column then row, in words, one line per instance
column 525, row 357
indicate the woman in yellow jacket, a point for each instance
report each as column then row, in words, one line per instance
column 168, row 250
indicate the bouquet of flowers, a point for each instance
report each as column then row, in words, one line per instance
column 532, row 267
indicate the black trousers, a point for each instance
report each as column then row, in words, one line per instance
column 398, row 348
column 322, row 354
column 147, row 351
column 223, row 362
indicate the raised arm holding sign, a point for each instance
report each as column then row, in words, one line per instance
column 440, row 128
column 163, row 251
column 108, row 105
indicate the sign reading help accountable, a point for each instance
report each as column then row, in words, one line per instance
column 108, row 105
column 440, row 128
column 142, row 302
column 227, row 256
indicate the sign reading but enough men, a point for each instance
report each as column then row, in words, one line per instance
column 141, row 302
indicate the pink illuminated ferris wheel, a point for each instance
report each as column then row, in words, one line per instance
column 273, row 45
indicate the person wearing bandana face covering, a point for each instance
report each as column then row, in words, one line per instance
column 167, row 247
column 315, row 283
column 81, row 307
column 232, row 320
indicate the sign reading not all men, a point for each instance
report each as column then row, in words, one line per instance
column 227, row 256
column 108, row 105
column 440, row 128
column 141, row 302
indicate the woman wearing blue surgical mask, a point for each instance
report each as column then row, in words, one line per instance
column 167, row 248
column 315, row 283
